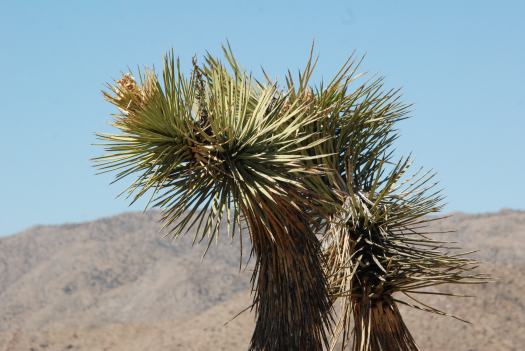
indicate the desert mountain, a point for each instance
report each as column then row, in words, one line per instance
column 116, row 284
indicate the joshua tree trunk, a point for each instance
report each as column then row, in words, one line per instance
column 291, row 297
column 378, row 325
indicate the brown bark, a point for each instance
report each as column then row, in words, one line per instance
column 291, row 295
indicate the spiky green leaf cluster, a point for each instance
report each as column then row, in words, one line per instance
column 376, row 240
column 203, row 147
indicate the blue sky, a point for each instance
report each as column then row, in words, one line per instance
column 462, row 64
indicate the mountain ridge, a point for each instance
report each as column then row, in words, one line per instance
column 116, row 284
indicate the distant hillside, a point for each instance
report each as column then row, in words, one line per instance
column 115, row 284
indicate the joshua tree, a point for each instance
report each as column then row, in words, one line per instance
column 309, row 172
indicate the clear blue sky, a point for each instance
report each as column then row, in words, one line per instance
column 462, row 63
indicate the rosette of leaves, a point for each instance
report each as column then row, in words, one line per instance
column 377, row 244
column 220, row 146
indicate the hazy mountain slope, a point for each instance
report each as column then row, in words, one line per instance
column 111, row 270
column 114, row 284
